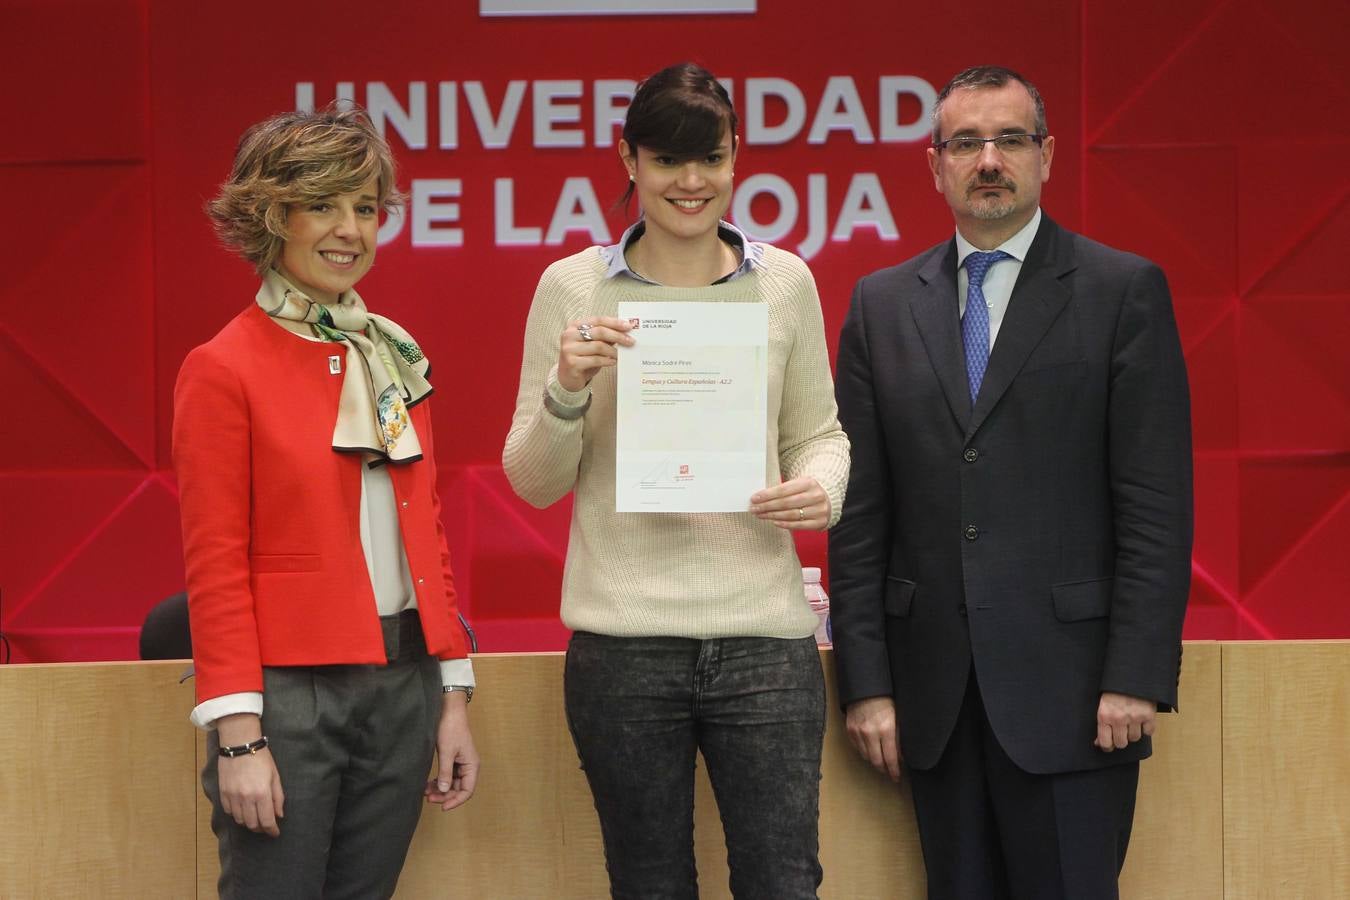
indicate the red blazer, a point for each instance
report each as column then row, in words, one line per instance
column 271, row 514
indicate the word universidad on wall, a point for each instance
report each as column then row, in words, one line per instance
column 556, row 120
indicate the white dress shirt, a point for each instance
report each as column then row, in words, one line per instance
column 1002, row 275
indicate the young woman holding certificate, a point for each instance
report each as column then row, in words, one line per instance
column 691, row 630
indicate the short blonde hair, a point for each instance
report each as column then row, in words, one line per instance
column 295, row 158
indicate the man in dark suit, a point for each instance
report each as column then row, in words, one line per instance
column 1011, row 570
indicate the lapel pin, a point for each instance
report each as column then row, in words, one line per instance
column 334, row 365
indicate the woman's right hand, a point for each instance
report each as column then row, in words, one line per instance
column 250, row 786
column 579, row 358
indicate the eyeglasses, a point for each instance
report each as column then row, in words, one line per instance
column 965, row 147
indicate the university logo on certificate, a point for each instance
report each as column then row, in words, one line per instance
column 692, row 413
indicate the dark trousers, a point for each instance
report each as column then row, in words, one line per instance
column 353, row 746
column 639, row 710
column 990, row 831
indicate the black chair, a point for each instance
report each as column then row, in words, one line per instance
column 165, row 633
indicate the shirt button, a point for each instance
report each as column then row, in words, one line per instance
column 972, row 532
column 971, row 454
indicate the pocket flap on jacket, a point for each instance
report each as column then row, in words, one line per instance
column 1079, row 600
column 284, row 562
column 899, row 596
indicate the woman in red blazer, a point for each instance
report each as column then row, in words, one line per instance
column 331, row 661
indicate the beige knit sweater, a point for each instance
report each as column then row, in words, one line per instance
column 697, row 575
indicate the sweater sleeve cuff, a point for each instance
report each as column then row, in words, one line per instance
column 835, row 491
column 205, row 714
column 457, row 672
column 561, row 395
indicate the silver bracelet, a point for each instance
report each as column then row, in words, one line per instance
column 566, row 412
column 465, row 688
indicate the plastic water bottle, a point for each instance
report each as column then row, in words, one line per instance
column 820, row 604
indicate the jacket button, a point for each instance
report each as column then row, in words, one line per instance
column 971, row 454
column 961, row 610
column 405, row 504
column 971, row 532
column 421, row 581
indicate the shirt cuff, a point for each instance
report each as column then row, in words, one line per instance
column 457, row 672
column 205, row 714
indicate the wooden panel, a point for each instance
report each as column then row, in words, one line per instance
column 98, row 764
column 208, row 856
column 1286, row 770
column 530, row 829
column 1176, row 848
column 869, row 844
column 100, row 790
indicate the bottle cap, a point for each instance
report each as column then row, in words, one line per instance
column 811, row 574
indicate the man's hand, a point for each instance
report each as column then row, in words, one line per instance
column 1122, row 720
column 456, row 757
column 872, row 732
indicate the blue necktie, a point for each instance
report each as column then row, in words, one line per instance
column 975, row 323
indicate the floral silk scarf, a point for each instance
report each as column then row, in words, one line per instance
column 385, row 369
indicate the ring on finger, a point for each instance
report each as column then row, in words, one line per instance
column 801, row 514
column 585, row 331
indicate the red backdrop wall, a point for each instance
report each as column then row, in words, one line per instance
column 1208, row 136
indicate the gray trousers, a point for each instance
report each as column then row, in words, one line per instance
column 353, row 745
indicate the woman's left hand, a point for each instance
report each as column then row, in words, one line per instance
column 797, row 505
column 456, row 757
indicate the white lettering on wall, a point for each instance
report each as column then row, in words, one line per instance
column 776, row 187
column 449, row 115
column 504, row 217
column 392, row 228
column 607, row 112
column 776, row 111
column 890, row 88
column 577, row 210
column 385, row 110
column 865, row 205
column 840, row 109
column 816, row 225
column 494, row 131
column 757, row 130
column 556, row 104
column 428, row 210
column 549, row 112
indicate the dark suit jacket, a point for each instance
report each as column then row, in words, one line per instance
column 1045, row 533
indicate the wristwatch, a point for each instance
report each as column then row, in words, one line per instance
column 466, row 688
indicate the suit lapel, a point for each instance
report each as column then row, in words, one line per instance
column 1037, row 299
column 938, row 318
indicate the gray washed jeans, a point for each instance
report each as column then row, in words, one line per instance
column 639, row 710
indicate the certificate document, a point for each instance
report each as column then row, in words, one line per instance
column 692, row 414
